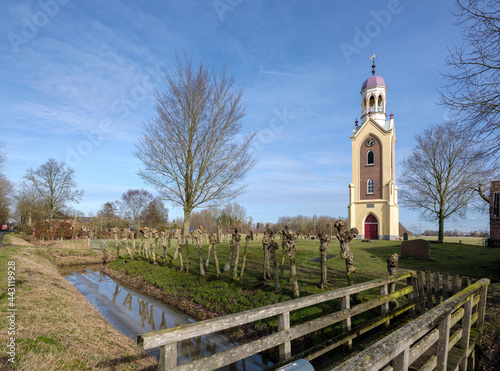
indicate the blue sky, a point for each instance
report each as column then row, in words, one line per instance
column 78, row 78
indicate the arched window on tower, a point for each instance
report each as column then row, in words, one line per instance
column 380, row 104
column 370, row 158
column 371, row 186
column 371, row 103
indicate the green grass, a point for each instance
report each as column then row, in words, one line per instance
column 224, row 295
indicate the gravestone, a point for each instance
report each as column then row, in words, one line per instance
column 405, row 236
column 251, row 235
column 416, row 249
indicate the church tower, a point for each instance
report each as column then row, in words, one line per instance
column 373, row 195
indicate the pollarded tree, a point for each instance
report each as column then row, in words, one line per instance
column 441, row 174
column 192, row 150
column 55, row 183
column 473, row 89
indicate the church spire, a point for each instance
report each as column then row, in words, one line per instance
column 373, row 65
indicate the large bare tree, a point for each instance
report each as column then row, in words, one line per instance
column 55, row 183
column 473, row 88
column 441, row 174
column 134, row 203
column 192, row 151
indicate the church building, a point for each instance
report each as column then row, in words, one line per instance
column 373, row 195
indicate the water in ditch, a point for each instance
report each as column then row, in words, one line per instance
column 133, row 314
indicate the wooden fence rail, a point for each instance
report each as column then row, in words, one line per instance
column 168, row 339
column 443, row 338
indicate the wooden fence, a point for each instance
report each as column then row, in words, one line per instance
column 434, row 288
column 168, row 339
column 443, row 338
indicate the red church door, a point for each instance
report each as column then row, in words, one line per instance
column 371, row 227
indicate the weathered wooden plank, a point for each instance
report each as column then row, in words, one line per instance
column 184, row 332
column 454, row 338
column 455, row 284
column 437, row 289
column 285, row 349
column 481, row 311
column 413, row 296
column 168, row 356
column 430, row 364
column 346, row 324
column 428, row 286
column 466, row 323
column 421, row 346
column 446, row 281
column 442, row 343
column 401, row 361
column 421, row 293
column 456, row 316
column 384, row 308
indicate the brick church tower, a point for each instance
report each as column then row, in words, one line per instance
column 373, row 195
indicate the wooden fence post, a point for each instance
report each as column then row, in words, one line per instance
column 346, row 324
column 443, row 342
column 446, row 286
column 466, row 322
column 437, row 288
column 384, row 307
column 421, row 294
column 285, row 349
column 481, row 310
column 402, row 361
column 168, row 356
column 428, row 284
column 413, row 296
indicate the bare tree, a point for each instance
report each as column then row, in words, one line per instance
column 156, row 214
column 473, row 89
column 134, row 203
column 441, row 174
column 192, row 150
column 5, row 188
column 55, row 183
column 232, row 214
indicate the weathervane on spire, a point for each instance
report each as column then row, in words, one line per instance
column 373, row 65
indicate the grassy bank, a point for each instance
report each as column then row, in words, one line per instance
column 56, row 327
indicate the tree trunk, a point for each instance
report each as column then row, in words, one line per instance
column 200, row 253
column 441, row 226
column 290, row 243
column 283, row 253
column 227, row 267
column 247, row 238
column 266, row 240
column 236, row 240
column 324, row 239
column 273, row 246
column 217, row 270
column 345, row 237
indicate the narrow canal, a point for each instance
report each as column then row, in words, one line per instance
column 133, row 314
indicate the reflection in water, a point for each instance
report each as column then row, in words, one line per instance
column 142, row 314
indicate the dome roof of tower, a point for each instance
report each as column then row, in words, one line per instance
column 373, row 81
